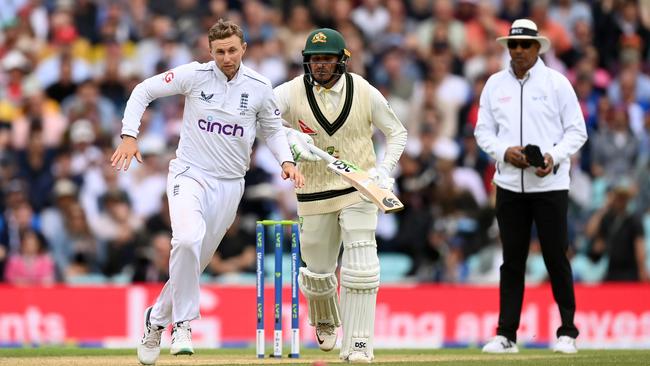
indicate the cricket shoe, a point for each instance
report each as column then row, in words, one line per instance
column 565, row 344
column 181, row 339
column 149, row 347
column 500, row 344
column 326, row 335
column 358, row 357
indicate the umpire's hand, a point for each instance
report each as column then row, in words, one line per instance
column 548, row 160
column 515, row 156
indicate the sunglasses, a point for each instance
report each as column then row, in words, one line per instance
column 524, row 44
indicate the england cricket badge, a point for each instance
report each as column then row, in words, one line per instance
column 243, row 103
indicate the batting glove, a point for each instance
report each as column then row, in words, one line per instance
column 299, row 144
column 382, row 178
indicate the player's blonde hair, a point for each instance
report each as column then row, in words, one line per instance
column 223, row 29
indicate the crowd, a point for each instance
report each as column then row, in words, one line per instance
column 68, row 66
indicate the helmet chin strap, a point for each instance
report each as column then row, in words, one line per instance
column 335, row 76
column 340, row 70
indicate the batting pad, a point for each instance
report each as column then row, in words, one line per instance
column 359, row 285
column 320, row 291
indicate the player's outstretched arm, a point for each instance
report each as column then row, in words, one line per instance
column 127, row 149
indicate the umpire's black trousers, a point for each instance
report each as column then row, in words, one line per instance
column 516, row 213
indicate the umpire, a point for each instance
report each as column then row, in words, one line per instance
column 531, row 104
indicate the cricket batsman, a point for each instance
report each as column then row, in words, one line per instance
column 339, row 111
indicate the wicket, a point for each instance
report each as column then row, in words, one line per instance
column 277, row 231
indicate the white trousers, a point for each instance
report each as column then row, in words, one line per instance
column 321, row 235
column 200, row 215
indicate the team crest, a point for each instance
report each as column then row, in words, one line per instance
column 332, row 151
column 319, row 37
column 243, row 103
column 306, row 129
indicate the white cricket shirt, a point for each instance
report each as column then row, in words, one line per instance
column 220, row 117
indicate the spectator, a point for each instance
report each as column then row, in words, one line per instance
column 65, row 39
column 615, row 148
column 120, row 229
column 152, row 262
column 34, row 166
column 619, row 235
column 293, row 34
column 371, row 17
column 235, row 254
column 483, row 28
column 88, row 103
column 65, row 86
column 16, row 65
column 443, row 18
column 39, row 114
column 32, row 265
column 53, row 220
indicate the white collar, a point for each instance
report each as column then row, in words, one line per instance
column 222, row 77
column 536, row 69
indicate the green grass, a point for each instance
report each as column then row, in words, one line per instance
column 208, row 357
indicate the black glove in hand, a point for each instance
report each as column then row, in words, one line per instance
column 534, row 156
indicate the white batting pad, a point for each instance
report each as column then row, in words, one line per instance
column 359, row 285
column 320, row 291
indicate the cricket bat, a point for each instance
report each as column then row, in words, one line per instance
column 385, row 199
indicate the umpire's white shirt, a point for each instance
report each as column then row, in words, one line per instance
column 541, row 109
column 219, row 119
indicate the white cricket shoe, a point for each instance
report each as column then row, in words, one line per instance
column 326, row 335
column 565, row 344
column 358, row 357
column 500, row 344
column 149, row 347
column 182, row 339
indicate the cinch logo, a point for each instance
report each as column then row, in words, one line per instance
column 221, row 128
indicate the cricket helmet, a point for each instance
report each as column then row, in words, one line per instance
column 325, row 41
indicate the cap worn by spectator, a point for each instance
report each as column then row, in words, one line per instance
column 115, row 196
column 15, row 60
column 64, row 188
column 446, row 149
column 81, row 131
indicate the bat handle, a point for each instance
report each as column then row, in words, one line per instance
column 321, row 154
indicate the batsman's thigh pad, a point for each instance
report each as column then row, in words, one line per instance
column 320, row 291
column 359, row 285
column 358, row 222
column 320, row 242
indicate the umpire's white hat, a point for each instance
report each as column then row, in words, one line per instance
column 525, row 29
